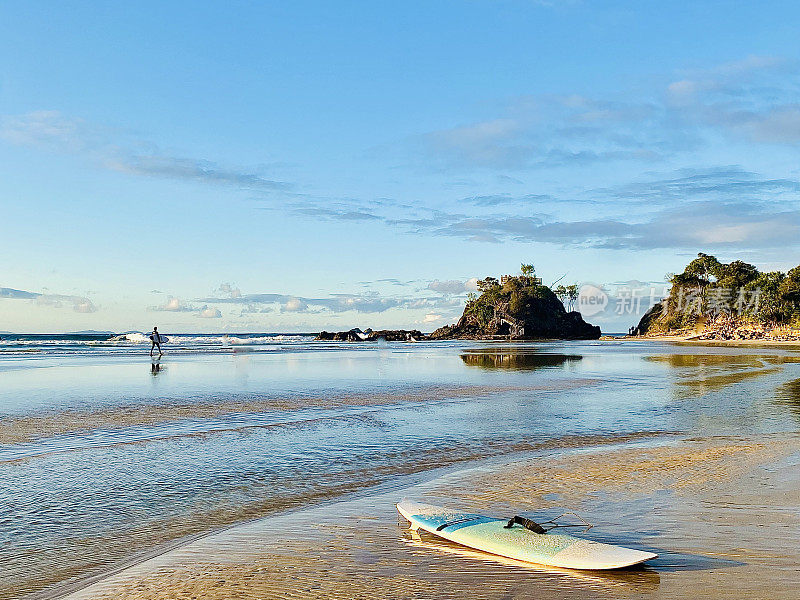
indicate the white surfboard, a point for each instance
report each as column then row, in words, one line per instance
column 491, row 535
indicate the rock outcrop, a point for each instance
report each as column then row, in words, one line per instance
column 356, row 335
column 519, row 309
column 648, row 320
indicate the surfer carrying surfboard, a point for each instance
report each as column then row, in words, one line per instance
column 155, row 340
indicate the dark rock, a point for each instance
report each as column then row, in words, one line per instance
column 398, row 335
column 648, row 319
column 356, row 335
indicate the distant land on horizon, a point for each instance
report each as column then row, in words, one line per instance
column 90, row 332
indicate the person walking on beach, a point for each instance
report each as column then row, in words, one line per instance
column 155, row 340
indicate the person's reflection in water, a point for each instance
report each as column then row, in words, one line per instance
column 155, row 368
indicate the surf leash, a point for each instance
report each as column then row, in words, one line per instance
column 546, row 526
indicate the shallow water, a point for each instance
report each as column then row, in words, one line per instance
column 105, row 456
column 706, row 539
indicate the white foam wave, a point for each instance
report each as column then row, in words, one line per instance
column 137, row 337
column 235, row 340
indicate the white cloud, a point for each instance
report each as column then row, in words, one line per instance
column 55, row 132
column 685, row 90
column 208, row 312
column 173, row 304
column 295, row 305
column 226, row 289
column 83, row 305
column 477, row 134
column 49, row 129
column 453, row 286
column 189, row 169
column 339, row 303
column 779, row 125
column 490, row 143
column 80, row 304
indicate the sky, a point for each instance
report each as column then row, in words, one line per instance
column 295, row 166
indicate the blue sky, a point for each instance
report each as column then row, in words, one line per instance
column 248, row 166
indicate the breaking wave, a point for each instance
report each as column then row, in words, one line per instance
column 119, row 342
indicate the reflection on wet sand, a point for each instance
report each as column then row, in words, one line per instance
column 516, row 359
column 789, row 395
column 640, row 578
column 354, row 551
column 563, row 481
column 271, row 493
column 701, row 373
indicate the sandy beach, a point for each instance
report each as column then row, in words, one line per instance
column 693, row 339
column 721, row 513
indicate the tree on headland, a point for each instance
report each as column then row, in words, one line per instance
column 702, row 269
column 568, row 295
column 790, row 286
column 736, row 274
column 527, row 270
column 572, row 296
column 772, row 306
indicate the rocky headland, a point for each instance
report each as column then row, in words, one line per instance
column 716, row 301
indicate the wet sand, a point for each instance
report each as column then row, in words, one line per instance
column 15, row 430
column 723, row 513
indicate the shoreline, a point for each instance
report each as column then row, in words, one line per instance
column 366, row 554
column 396, row 484
column 693, row 340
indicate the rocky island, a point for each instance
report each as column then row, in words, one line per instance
column 518, row 308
